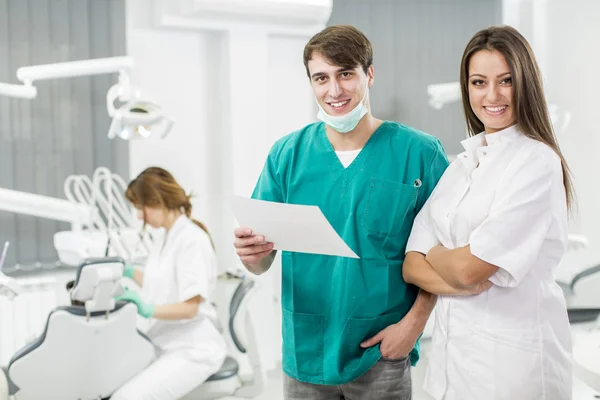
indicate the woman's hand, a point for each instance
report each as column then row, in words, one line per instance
column 144, row 309
column 477, row 289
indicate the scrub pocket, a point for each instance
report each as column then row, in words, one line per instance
column 357, row 331
column 388, row 204
column 303, row 345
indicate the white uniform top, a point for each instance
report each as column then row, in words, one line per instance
column 182, row 267
column 504, row 196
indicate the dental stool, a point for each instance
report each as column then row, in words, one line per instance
column 581, row 290
column 581, row 295
column 85, row 352
column 244, row 377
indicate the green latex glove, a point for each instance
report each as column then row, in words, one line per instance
column 145, row 310
column 128, row 271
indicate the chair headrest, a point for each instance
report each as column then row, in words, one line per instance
column 98, row 282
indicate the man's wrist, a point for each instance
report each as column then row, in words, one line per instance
column 416, row 322
column 255, row 269
column 421, row 310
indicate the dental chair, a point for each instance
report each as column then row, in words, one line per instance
column 85, row 352
column 582, row 296
column 581, row 290
column 241, row 374
column 9, row 288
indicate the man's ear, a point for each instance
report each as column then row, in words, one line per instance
column 371, row 75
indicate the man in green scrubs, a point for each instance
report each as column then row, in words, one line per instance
column 350, row 326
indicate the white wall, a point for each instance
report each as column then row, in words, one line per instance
column 291, row 102
column 564, row 35
column 171, row 69
column 573, row 62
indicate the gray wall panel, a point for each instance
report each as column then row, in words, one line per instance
column 418, row 42
column 120, row 150
column 101, row 47
column 7, row 220
column 23, row 161
column 62, row 131
column 44, row 143
column 81, row 114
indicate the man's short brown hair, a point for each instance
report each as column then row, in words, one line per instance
column 343, row 45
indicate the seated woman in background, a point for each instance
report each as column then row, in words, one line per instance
column 176, row 286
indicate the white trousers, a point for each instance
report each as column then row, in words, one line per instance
column 172, row 375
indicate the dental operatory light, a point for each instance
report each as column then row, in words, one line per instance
column 139, row 120
column 135, row 118
column 443, row 93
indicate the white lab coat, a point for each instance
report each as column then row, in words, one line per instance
column 504, row 196
column 190, row 350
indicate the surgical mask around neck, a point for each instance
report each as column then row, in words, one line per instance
column 347, row 122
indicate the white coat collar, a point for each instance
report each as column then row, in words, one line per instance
column 503, row 136
column 474, row 142
column 177, row 225
column 482, row 139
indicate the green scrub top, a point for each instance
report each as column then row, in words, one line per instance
column 331, row 304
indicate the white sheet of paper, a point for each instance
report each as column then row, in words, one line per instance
column 291, row 227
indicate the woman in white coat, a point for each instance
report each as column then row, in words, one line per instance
column 498, row 221
column 176, row 287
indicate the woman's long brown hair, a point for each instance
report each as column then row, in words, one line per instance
column 528, row 99
column 156, row 187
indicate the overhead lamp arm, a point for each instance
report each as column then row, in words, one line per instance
column 28, row 75
column 98, row 66
column 22, row 91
